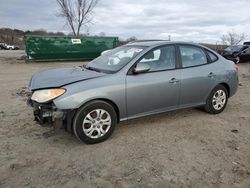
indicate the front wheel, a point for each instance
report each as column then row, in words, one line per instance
column 217, row 100
column 95, row 122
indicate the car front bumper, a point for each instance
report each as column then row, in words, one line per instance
column 48, row 114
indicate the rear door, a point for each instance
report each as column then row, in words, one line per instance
column 197, row 76
column 157, row 90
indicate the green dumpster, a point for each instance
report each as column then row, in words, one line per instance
column 50, row 48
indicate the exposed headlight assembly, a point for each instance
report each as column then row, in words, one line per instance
column 46, row 95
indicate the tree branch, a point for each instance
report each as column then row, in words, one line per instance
column 233, row 38
column 78, row 15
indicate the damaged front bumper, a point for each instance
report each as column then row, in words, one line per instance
column 48, row 114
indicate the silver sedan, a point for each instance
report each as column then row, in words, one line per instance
column 131, row 81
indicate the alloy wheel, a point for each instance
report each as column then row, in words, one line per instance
column 96, row 123
column 219, row 99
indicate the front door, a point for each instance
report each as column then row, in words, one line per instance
column 156, row 90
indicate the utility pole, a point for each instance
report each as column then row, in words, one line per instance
column 169, row 37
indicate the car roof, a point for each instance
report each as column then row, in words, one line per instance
column 148, row 43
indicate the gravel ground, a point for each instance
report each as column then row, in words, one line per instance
column 185, row 148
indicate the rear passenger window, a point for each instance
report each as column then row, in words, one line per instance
column 192, row 56
column 212, row 56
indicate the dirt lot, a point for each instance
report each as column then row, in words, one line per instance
column 186, row 148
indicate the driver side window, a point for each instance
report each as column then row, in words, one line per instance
column 160, row 59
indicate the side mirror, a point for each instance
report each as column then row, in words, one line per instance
column 141, row 68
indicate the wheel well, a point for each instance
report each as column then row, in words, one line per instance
column 69, row 126
column 111, row 103
column 227, row 87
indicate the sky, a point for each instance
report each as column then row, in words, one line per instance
column 184, row 20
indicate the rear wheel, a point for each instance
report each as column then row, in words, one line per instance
column 217, row 100
column 95, row 122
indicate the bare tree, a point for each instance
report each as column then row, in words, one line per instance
column 233, row 38
column 102, row 34
column 77, row 13
column 131, row 39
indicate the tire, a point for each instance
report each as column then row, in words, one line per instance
column 216, row 104
column 95, row 122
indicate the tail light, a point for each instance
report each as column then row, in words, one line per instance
column 235, row 67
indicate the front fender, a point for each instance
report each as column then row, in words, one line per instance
column 111, row 88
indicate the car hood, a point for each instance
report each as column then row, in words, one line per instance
column 59, row 77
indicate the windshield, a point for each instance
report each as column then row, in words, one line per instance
column 234, row 48
column 114, row 60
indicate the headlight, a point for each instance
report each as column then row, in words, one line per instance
column 46, row 95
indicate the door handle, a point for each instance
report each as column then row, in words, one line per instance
column 211, row 75
column 173, row 80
